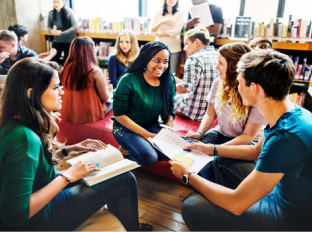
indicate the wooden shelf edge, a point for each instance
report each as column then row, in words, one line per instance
column 276, row 45
column 106, row 36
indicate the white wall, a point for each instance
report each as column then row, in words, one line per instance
column 261, row 10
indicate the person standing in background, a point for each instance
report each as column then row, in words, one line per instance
column 217, row 16
column 167, row 25
column 62, row 24
column 127, row 50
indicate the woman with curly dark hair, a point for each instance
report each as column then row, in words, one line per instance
column 143, row 96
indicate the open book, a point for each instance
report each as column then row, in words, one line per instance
column 109, row 160
column 172, row 146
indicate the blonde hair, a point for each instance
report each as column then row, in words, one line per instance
column 134, row 50
column 198, row 33
column 228, row 90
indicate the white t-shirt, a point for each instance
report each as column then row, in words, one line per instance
column 225, row 126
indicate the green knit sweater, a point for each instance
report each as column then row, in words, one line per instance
column 137, row 99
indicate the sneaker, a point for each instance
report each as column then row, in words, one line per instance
column 123, row 151
column 145, row 227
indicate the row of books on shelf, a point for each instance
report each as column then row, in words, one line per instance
column 246, row 27
column 297, row 98
column 304, row 70
column 98, row 25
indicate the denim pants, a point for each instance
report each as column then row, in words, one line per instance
column 76, row 203
column 200, row 214
column 139, row 149
column 225, row 171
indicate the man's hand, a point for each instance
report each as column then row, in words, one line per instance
column 178, row 168
column 192, row 23
column 3, row 56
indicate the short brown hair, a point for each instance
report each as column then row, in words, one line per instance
column 7, row 35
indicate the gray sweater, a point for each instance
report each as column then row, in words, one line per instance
column 68, row 30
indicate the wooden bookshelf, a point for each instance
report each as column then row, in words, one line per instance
column 276, row 45
column 104, row 36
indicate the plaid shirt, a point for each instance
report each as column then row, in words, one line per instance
column 22, row 52
column 199, row 73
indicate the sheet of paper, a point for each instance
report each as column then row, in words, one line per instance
column 202, row 11
column 172, row 145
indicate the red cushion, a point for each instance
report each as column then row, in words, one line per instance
column 75, row 133
column 102, row 130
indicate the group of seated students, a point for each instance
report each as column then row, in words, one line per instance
column 266, row 186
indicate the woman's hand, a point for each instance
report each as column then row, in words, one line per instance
column 194, row 135
column 206, row 148
column 79, row 170
column 148, row 134
column 178, row 168
column 87, row 145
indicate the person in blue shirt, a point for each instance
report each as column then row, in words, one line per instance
column 277, row 194
column 127, row 50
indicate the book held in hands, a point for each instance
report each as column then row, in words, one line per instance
column 109, row 160
column 171, row 145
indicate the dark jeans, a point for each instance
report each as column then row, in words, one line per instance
column 76, row 203
column 139, row 149
column 200, row 214
column 61, row 47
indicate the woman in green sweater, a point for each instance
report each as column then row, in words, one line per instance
column 143, row 99
column 32, row 196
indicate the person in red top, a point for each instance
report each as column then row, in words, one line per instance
column 86, row 90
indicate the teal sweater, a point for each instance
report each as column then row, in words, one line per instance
column 137, row 99
column 23, row 171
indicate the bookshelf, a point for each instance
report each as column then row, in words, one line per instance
column 141, row 38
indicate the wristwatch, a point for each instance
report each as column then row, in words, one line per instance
column 185, row 177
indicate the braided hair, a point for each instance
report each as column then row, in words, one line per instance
column 147, row 52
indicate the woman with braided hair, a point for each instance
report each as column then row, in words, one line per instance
column 144, row 94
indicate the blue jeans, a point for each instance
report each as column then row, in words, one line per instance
column 76, row 203
column 227, row 172
column 200, row 214
column 139, row 149
column 215, row 137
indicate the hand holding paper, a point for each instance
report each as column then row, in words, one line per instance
column 202, row 12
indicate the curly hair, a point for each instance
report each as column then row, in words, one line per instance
column 228, row 90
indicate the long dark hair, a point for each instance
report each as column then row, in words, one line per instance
column 174, row 9
column 35, row 74
column 64, row 14
column 147, row 52
column 81, row 57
